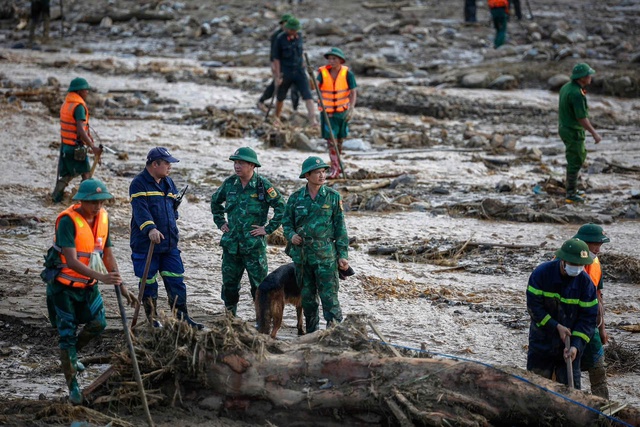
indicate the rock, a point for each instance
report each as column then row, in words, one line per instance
column 497, row 140
column 535, row 36
column 106, row 22
column 477, row 141
column 440, row 190
column 557, row 81
column 530, row 54
column 212, row 64
column 403, row 180
column 635, row 58
column 475, row 80
column 404, row 199
column 577, row 37
column 211, row 403
column 504, row 187
column 510, row 142
column 52, row 81
column 327, row 29
column 206, row 29
column 356, row 145
column 560, row 37
column 303, row 143
column 606, row 29
column 564, row 53
column 504, row 82
column 619, row 85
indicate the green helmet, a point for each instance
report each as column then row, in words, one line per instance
column 591, row 233
column 92, row 190
column 312, row 163
column 581, row 70
column 336, row 52
column 285, row 18
column 78, row 84
column 292, row 24
column 575, row 251
column 246, row 154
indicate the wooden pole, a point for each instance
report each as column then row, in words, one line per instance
column 143, row 283
column 275, row 94
column 567, row 346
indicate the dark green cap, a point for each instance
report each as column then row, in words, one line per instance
column 92, row 190
column 592, row 233
column 336, row 52
column 78, row 84
column 312, row 163
column 292, row 24
column 246, row 154
column 285, row 17
column 575, row 251
column 581, row 70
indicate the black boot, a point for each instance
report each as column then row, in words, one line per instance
column 183, row 314
column 69, row 369
column 150, row 305
column 572, row 187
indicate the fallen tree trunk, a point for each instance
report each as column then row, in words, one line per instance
column 341, row 377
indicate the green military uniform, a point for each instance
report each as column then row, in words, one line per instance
column 572, row 106
column 320, row 223
column 70, row 167
column 244, row 208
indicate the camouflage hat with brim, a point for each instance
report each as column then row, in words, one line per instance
column 91, row 190
column 581, row 70
column 78, row 84
column 246, row 154
column 338, row 53
column 292, row 24
column 592, row 233
column 312, row 163
column 575, row 251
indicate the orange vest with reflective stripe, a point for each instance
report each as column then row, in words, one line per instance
column 87, row 241
column 594, row 271
column 68, row 125
column 498, row 3
column 335, row 94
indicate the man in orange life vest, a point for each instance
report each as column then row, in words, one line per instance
column 337, row 86
column 76, row 137
column 73, row 297
column 499, row 14
column 593, row 356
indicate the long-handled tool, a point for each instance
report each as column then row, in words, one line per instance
column 61, row 19
column 143, row 283
column 530, row 12
column 96, row 161
column 134, row 360
column 324, row 112
column 567, row 346
column 275, row 94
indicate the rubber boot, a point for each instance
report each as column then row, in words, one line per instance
column 150, row 305
column 279, row 107
column 32, row 32
column 45, row 27
column 312, row 322
column 572, row 185
column 335, row 164
column 69, row 370
column 58, row 191
column 233, row 309
column 598, row 379
column 183, row 314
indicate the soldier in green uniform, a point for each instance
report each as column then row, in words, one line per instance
column 247, row 197
column 314, row 226
column 573, row 119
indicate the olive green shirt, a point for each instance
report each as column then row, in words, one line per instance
column 572, row 106
column 244, row 209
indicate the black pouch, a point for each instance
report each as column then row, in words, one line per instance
column 80, row 153
column 52, row 266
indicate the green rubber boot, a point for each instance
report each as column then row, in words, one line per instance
column 67, row 357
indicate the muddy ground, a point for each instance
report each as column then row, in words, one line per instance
column 459, row 139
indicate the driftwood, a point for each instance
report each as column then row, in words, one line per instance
column 125, row 16
column 342, row 377
column 392, row 5
column 370, row 186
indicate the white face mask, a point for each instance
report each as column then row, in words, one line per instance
column 592, row 255
column 573, row 270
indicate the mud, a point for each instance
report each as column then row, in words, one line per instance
column 477, row 164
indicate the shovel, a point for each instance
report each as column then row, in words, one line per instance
column 567, row 346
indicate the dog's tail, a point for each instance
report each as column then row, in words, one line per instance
column 263, row 306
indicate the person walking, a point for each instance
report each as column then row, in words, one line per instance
column 573, row 120
column 562, row 302
column 154, row 204
column 593, row 356
column 82, row 239
column 269, row 92
column 337, row 85
column 499, row 14
column 314, row 226
column 245, row 198
column 289, row 68
column 75, row 137
column 470, row 11
column 39, row 12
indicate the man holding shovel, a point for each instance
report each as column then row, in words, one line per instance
column 75, row 137
column 562, row 303
column 337, row 85
column 81, row 238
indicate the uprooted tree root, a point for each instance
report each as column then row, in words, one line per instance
column 338, row 376
column 621, row 357
column 622, row 268
column 35, row 413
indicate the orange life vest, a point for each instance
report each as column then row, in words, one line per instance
column 335, row 94
column 594, row 271
column 498, row 3
column 87, row 241
column 68, row 125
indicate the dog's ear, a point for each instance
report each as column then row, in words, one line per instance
column 343, row 274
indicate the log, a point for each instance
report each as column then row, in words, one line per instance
column 393, row 5
column 370, row 186
column 126, row 16
column 341, row 377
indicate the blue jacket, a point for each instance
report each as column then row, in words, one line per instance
column 569, row 301
column 153, row 206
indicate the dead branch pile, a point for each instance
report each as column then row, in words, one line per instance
column 31, row 413
column 623, row 268
column 622, row 357
column 433, row 251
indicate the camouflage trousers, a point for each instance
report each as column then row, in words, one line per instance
column 69, row 307
column 319, row 278
column 233, row 266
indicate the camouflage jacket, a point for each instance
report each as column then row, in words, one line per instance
column 319, row 222
column 243, row 209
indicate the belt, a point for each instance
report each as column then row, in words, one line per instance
column 311, row 240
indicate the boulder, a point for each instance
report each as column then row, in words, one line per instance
column 557, row 81
column 504, row 82
column 475, row 80
column 560, row 37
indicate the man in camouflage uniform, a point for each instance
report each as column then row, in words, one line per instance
column 314, row 225
column 247, row 197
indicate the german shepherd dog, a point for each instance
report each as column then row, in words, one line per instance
column 278, row 288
